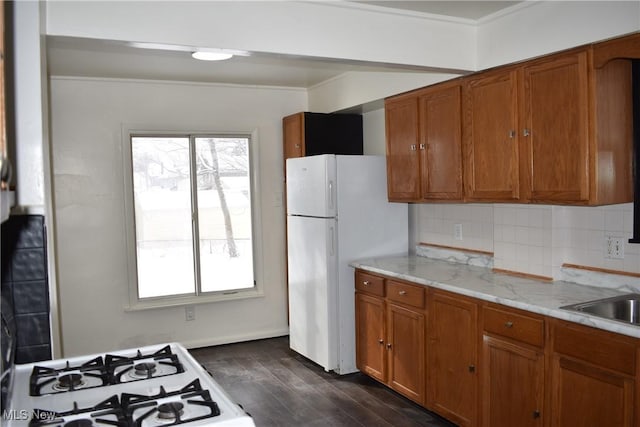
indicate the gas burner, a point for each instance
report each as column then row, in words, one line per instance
column 143, row 366
column 188, row 404
column 68, row 382
column 50, row 380
column 170, row 410
column 144, row 370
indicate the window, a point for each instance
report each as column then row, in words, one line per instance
column 193, row 216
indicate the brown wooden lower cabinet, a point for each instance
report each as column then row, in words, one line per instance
column 594, row 378
column 370, row 349
column 512, row 384
column 390, row 340
column 405, row 346
column 479, row 363
column 452, row 357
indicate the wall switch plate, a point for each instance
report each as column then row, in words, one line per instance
column 457, row 231
column 190, row 312
column 614, row 247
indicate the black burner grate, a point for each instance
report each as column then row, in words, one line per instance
column 68, row 378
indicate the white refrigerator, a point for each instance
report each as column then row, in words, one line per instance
column 337, row 212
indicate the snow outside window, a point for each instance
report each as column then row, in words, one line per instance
column 193, row 215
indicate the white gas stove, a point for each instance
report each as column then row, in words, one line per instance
column 160, row 385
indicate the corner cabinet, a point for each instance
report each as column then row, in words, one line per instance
column 424, row 144
column 390, row 342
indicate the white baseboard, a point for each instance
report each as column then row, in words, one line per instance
column 257, row 335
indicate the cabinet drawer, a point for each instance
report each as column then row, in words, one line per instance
column 602, row 348
column 405, row 293
column 507, row 323
column 369, row 283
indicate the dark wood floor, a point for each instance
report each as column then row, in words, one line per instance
column 278, row 387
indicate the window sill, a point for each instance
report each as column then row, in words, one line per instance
column 155, row 303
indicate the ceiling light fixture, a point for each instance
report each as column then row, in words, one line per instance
column 211, row 56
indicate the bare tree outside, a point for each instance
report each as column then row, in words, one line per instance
column 211, row 165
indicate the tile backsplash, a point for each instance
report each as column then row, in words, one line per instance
column 533, row 239
column 25, row 288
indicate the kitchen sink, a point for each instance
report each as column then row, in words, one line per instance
column 623, row 308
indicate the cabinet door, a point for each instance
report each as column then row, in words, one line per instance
column 491, row 154
column 406, row 349
column 512, row 384
column 441, row 144
column 452, row 357
column 293, row 133
column 403, row 180
column 593, row 377
column 370, row 335
column 584, row 395
column 555, row 129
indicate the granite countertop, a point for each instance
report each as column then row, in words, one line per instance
column 482, row 283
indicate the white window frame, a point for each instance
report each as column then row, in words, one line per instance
column 134, row 302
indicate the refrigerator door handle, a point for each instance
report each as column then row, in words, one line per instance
column 331, row 195
column 332, row 250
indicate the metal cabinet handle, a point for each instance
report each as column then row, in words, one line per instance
column 512, row 134
column 412, row 147
column 402, row 292
column 423, row 146
column 389, row 346
column 380, row 341
column 297, row 145
column 366, row 283
column 509, row 324
column 472, row 368
column 536, row 414
column 526, row 132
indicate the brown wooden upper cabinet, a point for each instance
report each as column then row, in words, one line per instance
column 552, row 130
column 556, row 129
column 424, row 157
column 490, row 126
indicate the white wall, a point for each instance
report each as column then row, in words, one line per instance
column 320, row 29
column 360, row 88
column 541, row 27
column 373, row 132
column 87, row 118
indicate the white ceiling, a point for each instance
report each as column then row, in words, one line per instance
column 460, row 9
column 99, row 58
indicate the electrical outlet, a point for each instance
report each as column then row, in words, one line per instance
column 614, row 247
column 457, row 231
column 190, row 312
